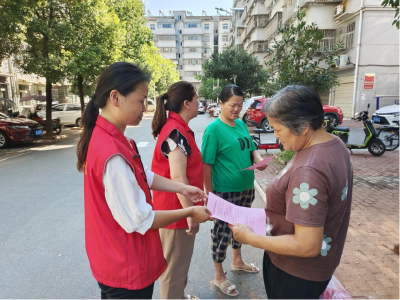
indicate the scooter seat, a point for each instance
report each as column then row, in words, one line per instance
column 347, row 129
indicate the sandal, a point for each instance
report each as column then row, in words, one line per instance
column 250, row 268
column 189, row 297
column 228, row 286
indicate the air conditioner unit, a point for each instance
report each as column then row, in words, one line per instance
column 343, row 60
column 339, row 10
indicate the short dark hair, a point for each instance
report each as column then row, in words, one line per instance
column 228, row 91
column 296, row 107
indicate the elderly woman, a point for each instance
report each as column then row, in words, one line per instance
column 308, row 203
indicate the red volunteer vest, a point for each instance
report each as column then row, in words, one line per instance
column 160, row 166
column 117, row 258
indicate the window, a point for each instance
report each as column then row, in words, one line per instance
column 224, row 38
column 225, row 26
column 192, row 25
column 165, row 25
column 193, row 61
column 192, row 49
column 166, row 37
column 192, row 37
column 192, row 73
column 167, row 49
column 206, row 38
column 58, row 107
column 73, row 107
column 206, row 26
column 152, row 27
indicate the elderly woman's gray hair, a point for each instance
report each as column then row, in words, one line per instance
column 296, row 107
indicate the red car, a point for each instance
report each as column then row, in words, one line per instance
column 18, row 130
column 257, row 118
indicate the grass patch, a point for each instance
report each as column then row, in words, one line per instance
column 285, row 156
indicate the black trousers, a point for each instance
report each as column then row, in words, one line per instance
column 281, row 285
column 108, row 292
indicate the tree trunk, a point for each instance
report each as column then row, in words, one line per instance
column 81, row 95
column 49, row 121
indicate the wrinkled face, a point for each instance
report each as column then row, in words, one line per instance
column 289, row 140
column 132, row 106
column 231, row 108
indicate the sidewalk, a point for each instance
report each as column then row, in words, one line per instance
column 369, row 268
column 67, row 134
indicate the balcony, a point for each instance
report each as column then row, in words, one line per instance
column 243, row 16
column 273, row 26
column 257, row 21
column 329, row 40
column 257, row 47
column 306, row 3
column 252, row 4
column 240, row 30
column 289, row 11
column 345, row 35
column 269, row 4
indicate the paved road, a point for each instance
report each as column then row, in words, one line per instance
column 42, row 252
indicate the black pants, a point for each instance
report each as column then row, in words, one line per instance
column 108, row 292
column 281, row 285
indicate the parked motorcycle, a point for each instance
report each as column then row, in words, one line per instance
column 56, row 123
column 265, row 146
column 371, row 141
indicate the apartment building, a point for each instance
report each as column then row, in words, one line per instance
column 369, row 64
column 189, row 40
column 14, row 85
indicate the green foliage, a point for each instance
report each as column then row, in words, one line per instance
column 162, row 71
column 209, row 88
column 285, row 156
column 298, row 59
column 394, row 4
column 236, row 64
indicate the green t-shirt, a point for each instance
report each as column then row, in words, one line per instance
column 227, row 149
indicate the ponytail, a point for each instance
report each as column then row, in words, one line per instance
column 160, row 116
column 175, row 97
column 89, row 119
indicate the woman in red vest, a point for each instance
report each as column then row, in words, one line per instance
column 121, row 227
column 177, row 157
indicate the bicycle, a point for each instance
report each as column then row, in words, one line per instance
column 390, row 136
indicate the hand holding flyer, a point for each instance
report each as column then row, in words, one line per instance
column 260, row 164
column 221, row 209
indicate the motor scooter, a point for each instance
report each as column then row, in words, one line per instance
column 265, row 146
column 56, row 123
column 371, row 140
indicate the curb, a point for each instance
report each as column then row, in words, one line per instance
column 260, row 190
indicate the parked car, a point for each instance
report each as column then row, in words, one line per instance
column 386, row 115
column 246, row 104
column 18, row 130
column 255, row 117
column 151, row 106
column 201, row 109
column 8, row 107
column 69, row 113
column 210, row 108
column 217, row 112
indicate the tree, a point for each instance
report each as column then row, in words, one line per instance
column 42, row 30
column 394, row 4
column 298, row 59
column 162, row 71
column 210, row 88
column 94, row 46
column 236, row 65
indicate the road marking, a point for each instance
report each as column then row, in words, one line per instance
column 142, row 144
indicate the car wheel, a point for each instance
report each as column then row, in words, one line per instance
column 3, row 140
column 79, row 122
column 332, row 119
column 267, row 127
column 245, row 118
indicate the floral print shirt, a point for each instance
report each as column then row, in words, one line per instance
column 314, row 189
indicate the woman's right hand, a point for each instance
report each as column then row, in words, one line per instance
column 200, row 214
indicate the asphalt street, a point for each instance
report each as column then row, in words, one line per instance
column 42, row 249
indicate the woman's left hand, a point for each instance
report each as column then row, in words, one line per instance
column 194, row 194
column 241, row 232
column 256, row 161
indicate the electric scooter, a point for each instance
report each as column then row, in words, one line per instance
column 265, row 146
column 371, row 140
